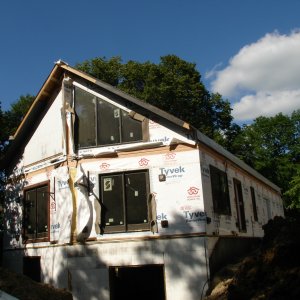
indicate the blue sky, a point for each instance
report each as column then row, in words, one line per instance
column 249, row 51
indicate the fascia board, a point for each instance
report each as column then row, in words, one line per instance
column 38, row 98
column 34, row 112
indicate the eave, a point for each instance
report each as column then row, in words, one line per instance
column 29, row 122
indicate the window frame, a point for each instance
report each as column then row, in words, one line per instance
column 36, row 239
column 220, row 194
column 121, row 136
column 126, row 228
column 254, row 207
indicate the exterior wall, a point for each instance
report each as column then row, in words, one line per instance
column 66, row 263
column 48, row 141
column 224, row 250
column 268, row 202
column 78, row 255
column 85, row 268
column 178, row 200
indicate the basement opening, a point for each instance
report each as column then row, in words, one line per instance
column 137, row 282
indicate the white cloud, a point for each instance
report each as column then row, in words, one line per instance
column 264, row 76
column 213, row 71
column 266, row 104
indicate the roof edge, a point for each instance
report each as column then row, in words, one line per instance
column 61, row 66
column 37, row 99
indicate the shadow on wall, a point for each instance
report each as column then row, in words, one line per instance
column 85, row 268
column 13, row 210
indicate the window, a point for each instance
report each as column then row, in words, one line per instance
column 220, row 193
column 36, row 209
column 254, row 203
column 125, row 201
column 240, row 207
column 99, row 122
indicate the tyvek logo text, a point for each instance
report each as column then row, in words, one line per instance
column 173, row 172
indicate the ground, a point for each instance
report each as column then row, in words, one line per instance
column 270, row 272
column 24, row 288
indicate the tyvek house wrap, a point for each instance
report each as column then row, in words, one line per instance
column 60, row 205
column 48, row 140
column 179, row 199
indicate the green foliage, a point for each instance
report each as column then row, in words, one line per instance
column 15, row 115
column 9, row 122
column 2, row 134
column 103, row 69
column 271, row 145
column 293, row 193
column 173, row 85
column 1, row 126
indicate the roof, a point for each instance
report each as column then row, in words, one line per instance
column 45, row 97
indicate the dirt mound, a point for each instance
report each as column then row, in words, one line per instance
column 24, row 288
column 272, row 271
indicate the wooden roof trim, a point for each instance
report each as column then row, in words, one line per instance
column 41, row 93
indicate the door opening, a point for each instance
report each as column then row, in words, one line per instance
column 137, row 282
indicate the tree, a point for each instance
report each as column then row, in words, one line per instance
column 2, row 131
column 2, row 135
column 271, row 145
column 15, row 115
column 293, row 193
column 9, row 121
column 173, row 85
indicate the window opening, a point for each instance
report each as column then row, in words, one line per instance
column 254, row 203
column 239, row 201
column 220, row 192
column 99, row 122
column 137, row 282
column 124, row 197
column 36, row 209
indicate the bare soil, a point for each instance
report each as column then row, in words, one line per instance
column 24, row 288
column 270, row 272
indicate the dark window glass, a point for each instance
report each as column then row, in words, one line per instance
column 220, row 193
column 131, row 129
column 85, row 104
column 108, row 123
column 36, row 213
column 136, row 194
column 124, row 197
column 240, row 208
column 42, row 211
column 30, row 208
column 99, row 122
column 254, row 204
column 112, row 197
